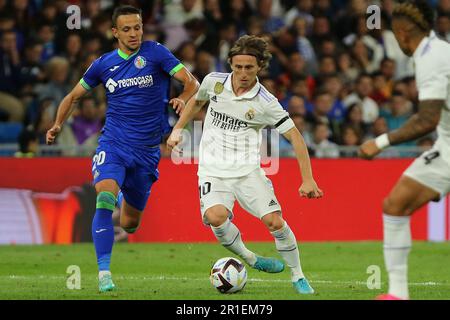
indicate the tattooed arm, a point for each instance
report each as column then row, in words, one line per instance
column 420, row 124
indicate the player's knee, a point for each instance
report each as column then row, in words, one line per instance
column 393, row 207
column 130, row 230
column 216, row 216
column 106, row 200
column 273, row 221
column 130, row 225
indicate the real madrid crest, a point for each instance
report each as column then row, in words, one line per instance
column 250, row 114
column 218, row 88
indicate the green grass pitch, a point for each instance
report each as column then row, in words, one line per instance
column 181, row 272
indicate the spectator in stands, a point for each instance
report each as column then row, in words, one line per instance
column 28, row 144
column 305, row 47
column 334, row 86
column 264, row 11
column 176, row 13
column 351, row 138
column 213, row 14
column 323, row 102
column 204, row 63
column 44, row 118
column 303, row 9
column 381, row 89
column 46, row 34
column 364, row 88
column 87, row 123
column 354, row 118
column 57, row 71
column 321, row 146
column 346, row 66
column 296, row 105
column 10, row 84
column 186, row 54
column 398, row 111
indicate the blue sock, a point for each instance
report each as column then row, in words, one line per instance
column 103, row 229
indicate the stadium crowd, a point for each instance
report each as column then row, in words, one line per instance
column 340, row 82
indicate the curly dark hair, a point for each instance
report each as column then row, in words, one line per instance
column 417, row 11
column 253, row 46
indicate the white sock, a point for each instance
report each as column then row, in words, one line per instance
column 230, row 237
column 102, row 273
column 286, row 245
column 397, row 244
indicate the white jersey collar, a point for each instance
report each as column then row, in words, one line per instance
column 248, row 95
column 423, row 46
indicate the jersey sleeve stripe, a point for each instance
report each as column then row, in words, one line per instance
column 264, row 95
column 279, row 123
column 177, row 68
column 84, row 84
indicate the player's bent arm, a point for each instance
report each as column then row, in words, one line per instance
column 189, row 82
column 192, row 108
column 420, row 124
column 301, row 152
column 68, row 104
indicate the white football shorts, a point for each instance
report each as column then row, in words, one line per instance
column 431, row 170
column 254, row 192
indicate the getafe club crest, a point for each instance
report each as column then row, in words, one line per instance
column 250, row 114
column 140, row 62
column 218, row 88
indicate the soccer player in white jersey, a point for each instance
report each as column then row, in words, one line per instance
column 428, row 177
column 229, row 161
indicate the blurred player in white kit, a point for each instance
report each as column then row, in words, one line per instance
column 428, row 177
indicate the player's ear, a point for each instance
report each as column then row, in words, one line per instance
column 115, row 33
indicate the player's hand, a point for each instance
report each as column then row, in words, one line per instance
column 174, row 140
column 177, row 105
column 309, row 189
column 52, row 133
column 368, row 150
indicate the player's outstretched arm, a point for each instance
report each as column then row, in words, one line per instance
column 65, row 108
column 420, row 124
column 309, row 187
column 192, row 108
column 190, row 85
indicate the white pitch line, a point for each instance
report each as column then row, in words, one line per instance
column 153, row 278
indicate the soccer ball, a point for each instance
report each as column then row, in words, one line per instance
column 228, row 275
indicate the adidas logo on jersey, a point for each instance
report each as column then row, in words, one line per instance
column 272, row 203
column 214, row 98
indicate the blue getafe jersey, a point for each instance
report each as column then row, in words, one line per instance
column 137, row 92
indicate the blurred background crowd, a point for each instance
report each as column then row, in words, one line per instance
column 340, row 82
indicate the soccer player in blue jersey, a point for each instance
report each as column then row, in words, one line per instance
column 137, row 79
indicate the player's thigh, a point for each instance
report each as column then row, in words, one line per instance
column 108, row 169
column 216, row 200
column 140, row 175
column 426, row 179
column 136, row 189
column 256, row 195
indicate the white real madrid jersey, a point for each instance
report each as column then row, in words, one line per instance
column 231, row 140
column 432, row 63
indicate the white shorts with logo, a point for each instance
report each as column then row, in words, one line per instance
column 254, row 192
column 431, row 170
